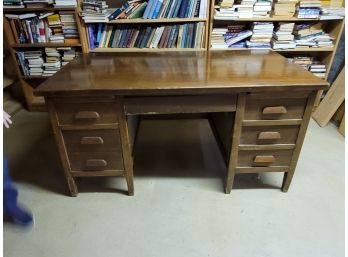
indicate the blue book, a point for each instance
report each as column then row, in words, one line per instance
column 157, row 9
column 91, row 36
column 176, row 9
column 184, row 36
column 152, row 10
column 99, row 33
column 148, row 8
column 183, row 8
column 171, row 9
column 118, row 11
column 165, row 15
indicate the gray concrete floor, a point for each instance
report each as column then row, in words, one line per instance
column 179, row 208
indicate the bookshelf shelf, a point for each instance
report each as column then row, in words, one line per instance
column 113, row 50
column 38, row 9
column 275, row 19
column 278, row 50
column 26, row 45
column 168, row 20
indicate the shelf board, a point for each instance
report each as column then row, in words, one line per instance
column 111, row 50
column 321, row 49
column 162, row 20
column 43, row 45
column 279, row 18
column 265, row 19
column 38, row 9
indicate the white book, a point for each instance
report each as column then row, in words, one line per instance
column 157, row 37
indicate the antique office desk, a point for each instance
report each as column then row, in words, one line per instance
column 258, row 105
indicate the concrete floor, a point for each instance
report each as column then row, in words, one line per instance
column 179, row 208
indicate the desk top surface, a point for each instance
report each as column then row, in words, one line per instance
column 174, row 72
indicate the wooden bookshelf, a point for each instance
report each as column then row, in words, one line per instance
column 333, row 27
column 40, row 45
column 29, row 82
column 137, row 21
column 322, row 49
column 113, row 50
column 38, row 9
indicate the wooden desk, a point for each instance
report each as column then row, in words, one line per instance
column 258, row 105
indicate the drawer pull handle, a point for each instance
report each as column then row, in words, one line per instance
column 269, row 135
column 92, row 141
column 264, row 159
column 86, row 115
column 96, row 163
column 274, row 110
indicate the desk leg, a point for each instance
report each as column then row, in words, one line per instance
column 301, row 134
column 61, row 147
column 126, row 149
column 236, row 133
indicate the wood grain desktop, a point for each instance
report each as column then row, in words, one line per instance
column 258, row 105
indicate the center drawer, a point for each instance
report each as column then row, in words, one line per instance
column 264, row 158
column 262, row 135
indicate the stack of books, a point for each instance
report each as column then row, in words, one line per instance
column 310, row 64
column 283, row 37
column 332, row 13
column 236, row 36
column 262, row 8
column 226, row 3
column 309, row 9
column 311, row 35
column 188, row 35
column 37, row 3
column 95, row 11
column 55, row 26
column 69, row 27
column 217, row 38
column 13, row 4
column 244, row 8
column 30, row 62
column 225, row 13
column 52, row 64
column 65, row 3
column 69, row 54
column 262, row 35
column 284, row 8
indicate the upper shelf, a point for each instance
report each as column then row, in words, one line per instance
column 161, row 20
column 309, row 49
column 43, row 45
column 38, row 9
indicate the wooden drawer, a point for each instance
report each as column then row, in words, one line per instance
column 77, row 141
column 264, row 158
column 96, row 161
column 91, row 113
column 265, row 135
column 273, row 109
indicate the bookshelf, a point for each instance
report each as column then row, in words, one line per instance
column 29, row 82
column 197, row 22
column 333, row 27
column 325, row 55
